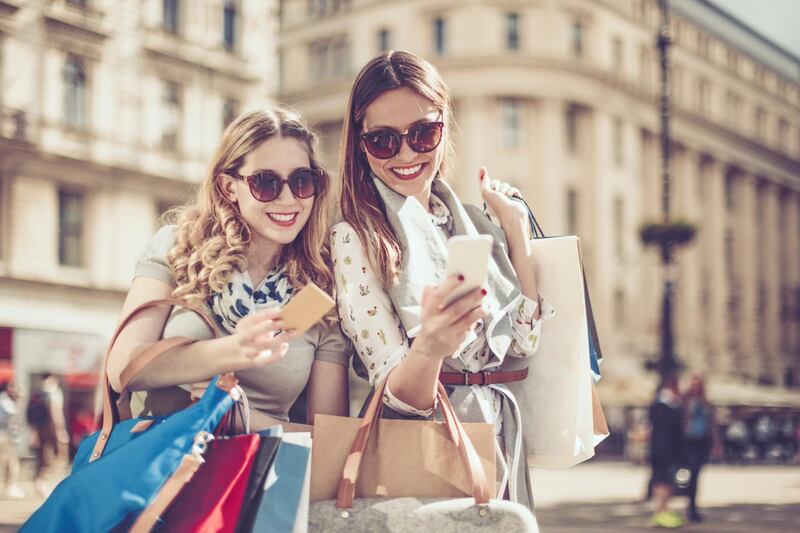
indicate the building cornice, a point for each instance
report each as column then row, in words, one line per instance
column 80, row 290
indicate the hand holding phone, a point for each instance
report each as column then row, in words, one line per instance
column 306, row 308
column 469, row 256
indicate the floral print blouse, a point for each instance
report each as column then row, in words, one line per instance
column 369, row 319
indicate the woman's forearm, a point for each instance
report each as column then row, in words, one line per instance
column 190, row 363
column 414, row 380
column 521, row 257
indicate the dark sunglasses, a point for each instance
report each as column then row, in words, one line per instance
column 267, row 185
column 384, row 143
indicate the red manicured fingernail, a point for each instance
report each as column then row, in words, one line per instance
column 483, row 292
column 460, row 277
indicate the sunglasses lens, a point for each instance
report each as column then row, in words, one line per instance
column 303, row 183
column 382, row 144
column 425, row 137
column 265, row 187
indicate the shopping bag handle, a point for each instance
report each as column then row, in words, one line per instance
column 111, row 414
column 469, row 457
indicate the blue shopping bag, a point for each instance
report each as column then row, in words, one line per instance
column 126, row 474
column 286, row 489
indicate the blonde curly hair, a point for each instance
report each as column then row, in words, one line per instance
column 213, row 238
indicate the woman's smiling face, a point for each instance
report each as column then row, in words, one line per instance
column 408, row 172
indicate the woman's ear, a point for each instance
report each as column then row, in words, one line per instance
column 228, row 187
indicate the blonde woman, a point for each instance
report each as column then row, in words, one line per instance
column 255, row 232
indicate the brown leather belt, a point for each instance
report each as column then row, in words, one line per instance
column 481, row 378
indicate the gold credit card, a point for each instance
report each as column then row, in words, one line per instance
column 306, row 308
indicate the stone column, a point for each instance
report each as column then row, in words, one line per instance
column 747, row 266
column 775, row 235
column 713, row 229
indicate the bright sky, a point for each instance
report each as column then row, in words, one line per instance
column 778, row 20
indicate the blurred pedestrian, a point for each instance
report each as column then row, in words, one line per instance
column 666, row 450
column 701, row 438
column 9, row 440
column 45, row 416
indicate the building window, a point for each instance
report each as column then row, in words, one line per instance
column 170, row 115
column 577, row 39
column 330, row 59
column 512, row 31
column 703, row 44
column 645, row 68
column 230, row 110
column 619, row 227
column 571, row 127
column 617, row 57
column 733, row 105
column 783, row 133
column 170, row 16
column 759, row 75
column 74, row 77
column 618, row 141
column 383, row 40
column 760, row 123
column 729, row 192
column 510, row 109
column 70, row 228
column 572, row 212
column 439, row 35
column 229, row 25
column 323, row 8
column 703, row 91
column 733, row 60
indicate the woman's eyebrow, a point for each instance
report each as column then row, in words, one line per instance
column 420, row 121
column 272, row 170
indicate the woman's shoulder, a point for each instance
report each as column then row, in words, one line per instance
column 344, row 236
column 164, row 237
column 152, row 261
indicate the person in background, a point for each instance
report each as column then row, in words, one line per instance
column 666, row 450
column 700, row 438
column 45, row 416
column 9, row 439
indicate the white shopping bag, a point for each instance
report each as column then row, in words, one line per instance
column 558, row 405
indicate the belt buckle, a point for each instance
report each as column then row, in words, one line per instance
column 466, row 378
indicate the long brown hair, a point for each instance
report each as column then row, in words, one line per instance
column 213, row 238
column 361, row 205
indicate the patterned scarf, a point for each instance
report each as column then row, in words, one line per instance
column 239, row 299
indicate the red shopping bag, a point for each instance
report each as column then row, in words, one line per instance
column 212, row 500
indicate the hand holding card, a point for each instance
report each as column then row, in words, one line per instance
column 306, row 308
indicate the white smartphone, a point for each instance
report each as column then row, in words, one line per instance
column 468, row 256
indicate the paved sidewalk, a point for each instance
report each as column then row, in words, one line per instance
column 605, row 497
column 602, row 497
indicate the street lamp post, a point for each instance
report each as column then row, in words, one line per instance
column 667, row 363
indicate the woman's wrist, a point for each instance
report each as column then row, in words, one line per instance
column 420, row 350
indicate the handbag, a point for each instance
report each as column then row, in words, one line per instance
column 125, row 475
column 412, row 513
column 409, row 457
